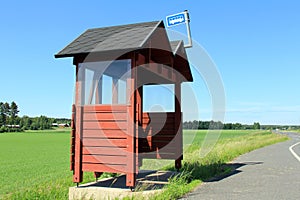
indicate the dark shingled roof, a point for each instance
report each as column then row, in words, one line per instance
column 175, row 45
column 132, row 36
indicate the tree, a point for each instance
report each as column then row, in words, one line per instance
column 2, row 115
column 237, row 126
column 13, row 112
column 256, row 125
column 228, row 126
column 25, row 122
column 5, row 109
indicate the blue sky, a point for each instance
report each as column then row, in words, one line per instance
column 255, row 46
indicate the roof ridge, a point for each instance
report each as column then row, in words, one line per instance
column 125, row 25
column 150, row 33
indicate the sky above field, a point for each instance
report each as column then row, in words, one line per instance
column 254, row 46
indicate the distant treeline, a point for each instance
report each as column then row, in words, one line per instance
column 11, row 122
column 204, row 125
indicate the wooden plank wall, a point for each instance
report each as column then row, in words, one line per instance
column 105, row 138
column 160, row 136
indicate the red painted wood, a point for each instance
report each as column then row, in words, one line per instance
column 73, row 133
column 166, row 149
column 104, row 151
column 160, row 144
column 94, row 142
column 94, row 125
column 101, row 159
column 158, row 155
column 88, row 167
column 160, row 132
column 105, row 134
column 78, row 147
column 72, row 154
column 159, row 126
column 92, row 89
column 162, row 141
column 105, row 116
column 160, row 123
column 154, row 140
column 100, row 129
column 157, row 116
column 166, row 138
column 78, row 173
column 160, row 70
column 178, row 126
column 115, row 91
column 103, row 56
column 118, row 125
column 105, row 108
column 140, row 60
column 131, row 109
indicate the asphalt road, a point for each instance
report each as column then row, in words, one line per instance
column 272, row 172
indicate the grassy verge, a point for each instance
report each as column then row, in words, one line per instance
column 196, row 170
column 295, row 131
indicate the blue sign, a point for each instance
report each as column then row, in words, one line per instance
column 173, row 20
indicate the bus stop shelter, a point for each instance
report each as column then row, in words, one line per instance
column 110, row 130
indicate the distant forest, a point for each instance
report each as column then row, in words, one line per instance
column 205, row 125
column 11, row 122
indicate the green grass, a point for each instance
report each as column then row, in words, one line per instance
column 291, row 130
column 296, row 131
column 35, row 165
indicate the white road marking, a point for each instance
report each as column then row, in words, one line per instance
column 293, row 152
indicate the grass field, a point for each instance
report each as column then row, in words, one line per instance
column 32, row 164
column 35, row 165
column 297, row 131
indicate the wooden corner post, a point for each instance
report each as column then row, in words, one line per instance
column 178, row 125
column 78, row 173
column 131, row 98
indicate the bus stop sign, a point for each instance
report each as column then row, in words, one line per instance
column 176, row 19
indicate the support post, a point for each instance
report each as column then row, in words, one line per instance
column 178, row 126
column 115, row 91
column 188, row 29
column 73, row 135
column 131, row 175
column 79, row 101
column 99, row 90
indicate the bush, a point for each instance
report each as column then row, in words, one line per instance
column 3, row 129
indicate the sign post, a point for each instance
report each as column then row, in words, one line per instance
column 181, row 18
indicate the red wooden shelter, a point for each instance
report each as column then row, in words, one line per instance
column 110, row 131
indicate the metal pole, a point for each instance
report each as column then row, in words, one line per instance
column 190, row 44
